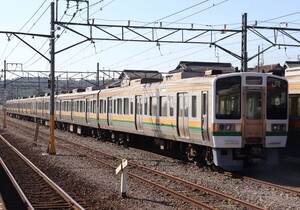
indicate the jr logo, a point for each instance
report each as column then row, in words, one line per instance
column 276, row 84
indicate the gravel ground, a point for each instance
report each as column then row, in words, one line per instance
column 101, row 187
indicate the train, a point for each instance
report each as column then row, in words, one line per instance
column 293, row 143
column 235, row 121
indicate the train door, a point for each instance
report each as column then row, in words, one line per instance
column 253, row 129
column 109, row 111
column 182, row 115
column 204, row 113
column 139, row 113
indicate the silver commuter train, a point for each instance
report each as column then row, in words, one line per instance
column 234, row 121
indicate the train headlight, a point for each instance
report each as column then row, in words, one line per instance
column 278, row 127
column 238, row 128
column 221, row 127
column 228, row 127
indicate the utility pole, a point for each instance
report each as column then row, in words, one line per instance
column 51, row 148
column 4, row 96
column 244, row 57
column 97, row 75
column 258, row 58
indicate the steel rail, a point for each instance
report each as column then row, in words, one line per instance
column 210, row 191
column 16, row 186
column 171, row 192
column 61, row 192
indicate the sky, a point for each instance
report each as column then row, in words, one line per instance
column 34, row 17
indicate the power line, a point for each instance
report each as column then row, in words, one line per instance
column 30, row 27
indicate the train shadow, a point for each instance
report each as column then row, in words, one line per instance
column 287, row 173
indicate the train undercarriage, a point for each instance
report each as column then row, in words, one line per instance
column 248, row 157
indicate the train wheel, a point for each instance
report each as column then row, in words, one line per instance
column 209, row 157
column 99, row 134
column 191, row 153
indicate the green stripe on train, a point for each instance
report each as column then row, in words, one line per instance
column 276, row 133
column 153, row 124
column 227, row 133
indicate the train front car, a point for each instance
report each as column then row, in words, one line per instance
column 250, row 120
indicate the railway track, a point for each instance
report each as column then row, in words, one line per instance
column 112, row 162
column 38, row 191
column 187, row 191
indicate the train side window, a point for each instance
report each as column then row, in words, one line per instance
column 77, row 106
column 101, row 108
column 94, row 106
column 104, row 106
column 87, row 106
column 72, row 106
column 294, row 107
column 126, row 105
column 153, row 106
column 163, row 103
column 119, row 109
column 145, row 106
column 171, row 105
column 131, row 106
column 150, row 105
column 186, row 106
column 204, row 104
column 194, row 106
column 115, row 106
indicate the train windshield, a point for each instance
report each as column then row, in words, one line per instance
column 228, row 98
column 276, row 98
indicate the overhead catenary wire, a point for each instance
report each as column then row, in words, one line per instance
column 168, row 17
column 40, row 7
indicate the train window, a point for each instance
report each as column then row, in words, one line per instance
column 115, row 106
column 252, row 80
column 171, row 105
column 145, row 106
column 228, row 98
column 253, row 105
column 276, row 98
column 186, row 106
column 67, row 105
column 119, row 110
column 194, row 106
column 104, row 106
column 94, row 106
column 126, row 105
column 72, row 106
column 163, row 102
column 77, row 106
column 88, row 106
column 46, row 106
column 101, row 108
column 294, row 107
column 153, row 106
column 131, row 106
column 81, row 106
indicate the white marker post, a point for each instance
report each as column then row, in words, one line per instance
column 124, row 169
